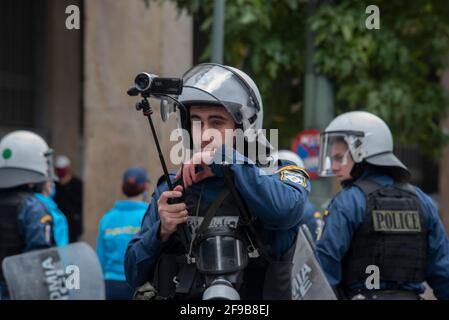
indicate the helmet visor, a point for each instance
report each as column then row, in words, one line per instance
column 216, row 84
column 333, row 151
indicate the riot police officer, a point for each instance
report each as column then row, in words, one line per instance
column 26, row 224
column 243, row 220
column 383, row 237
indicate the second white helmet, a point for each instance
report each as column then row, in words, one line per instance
column 368, row 139
column 24, row 158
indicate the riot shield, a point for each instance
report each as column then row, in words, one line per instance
column 308, row 279
column 72, row 272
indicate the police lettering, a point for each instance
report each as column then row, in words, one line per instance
column 396, row 221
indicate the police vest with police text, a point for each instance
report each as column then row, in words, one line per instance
column 393, row 236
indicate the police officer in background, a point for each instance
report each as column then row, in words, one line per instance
column 251, row 215
column 25, row 224
column 383, row 237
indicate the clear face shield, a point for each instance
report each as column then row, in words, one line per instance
column 50, row 163
column 334, row 152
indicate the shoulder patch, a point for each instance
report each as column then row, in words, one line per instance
column 294, row 168
column 294, row 177
column 45, row 219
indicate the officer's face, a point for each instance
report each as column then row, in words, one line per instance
column 211, row 126
column 342, row 161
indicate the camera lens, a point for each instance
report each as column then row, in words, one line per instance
column 143, row 81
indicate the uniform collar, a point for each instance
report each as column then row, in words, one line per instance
column 377, row 177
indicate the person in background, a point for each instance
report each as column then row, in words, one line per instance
column 69, row 197
column 117, row 228
column 44, row 193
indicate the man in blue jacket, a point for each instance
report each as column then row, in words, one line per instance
column 117, row 228
column 383, row 237
column 252, row 216
column 26, row 224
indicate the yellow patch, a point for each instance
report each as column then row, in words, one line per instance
column 317, row 215
column 123, row 230
column 45, row 219
column 326, row 213
column 294, row 168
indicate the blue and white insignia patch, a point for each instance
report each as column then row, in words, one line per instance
column 294, row 177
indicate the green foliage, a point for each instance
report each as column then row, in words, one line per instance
column 393, row 72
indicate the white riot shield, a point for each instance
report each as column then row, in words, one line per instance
column 72, row 272
column 308, row 279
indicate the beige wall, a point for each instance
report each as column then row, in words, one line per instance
column 63, row 74
column 123, row 38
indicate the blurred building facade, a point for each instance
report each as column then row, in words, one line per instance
column 70, row 85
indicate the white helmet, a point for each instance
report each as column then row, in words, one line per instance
column 216, row 84
column 25, row 158
column 289, row 156
column 62, row 161
column 368, row 139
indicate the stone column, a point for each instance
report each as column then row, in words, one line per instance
column 63, row 74
column 123, row 38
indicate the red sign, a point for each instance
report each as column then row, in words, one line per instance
column 307, row 145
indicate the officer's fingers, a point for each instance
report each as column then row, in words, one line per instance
column 187, row 175
column 178, row 188
column 168, row 194
column 208, row 157
column 194, row 175
column 175, row 215
column 203, row 175
column 174, row 207
column 178, row 174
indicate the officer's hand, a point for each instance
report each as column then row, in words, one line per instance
column 171, row 214
column 200, row 159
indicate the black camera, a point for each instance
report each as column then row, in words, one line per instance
column 150, row 84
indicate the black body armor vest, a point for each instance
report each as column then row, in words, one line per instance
column 11, row 241
column 175, row 278
column 393, row 236
column 172, row 267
